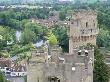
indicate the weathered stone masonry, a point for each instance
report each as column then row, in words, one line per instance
column 77, row 65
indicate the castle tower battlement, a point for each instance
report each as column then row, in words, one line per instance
column 83, row 29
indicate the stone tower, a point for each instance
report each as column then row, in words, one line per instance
column 83, row 29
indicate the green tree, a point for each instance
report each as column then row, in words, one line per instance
column 42, row 13
column 15, row 24
column 62, row 15
column 101, row 70
column 53, row 39
column 28, row 36
column 62, row 37
column 21, row 49
column 2, row 44
column 37, row 29
column 103, row 38
column 7, row 33
column 2, row 78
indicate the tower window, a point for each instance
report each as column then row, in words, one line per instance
column 91, row 30
column 94, row 24
column 86, row 52
column 53, row 79
column 86, row 24
column 82, row 38
column 90, row 36
column 79, row 52
column 72, row 22
column 78, row 38
column 77, row 22
column 85, row 38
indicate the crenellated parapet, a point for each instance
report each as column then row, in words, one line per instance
column 81, row 13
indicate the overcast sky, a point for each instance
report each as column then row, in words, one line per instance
column 60, row 0
column 65, row 0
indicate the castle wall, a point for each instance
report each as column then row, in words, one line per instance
column 73, row 70
column 76, row 67
column 35, row 72
column 56, row 70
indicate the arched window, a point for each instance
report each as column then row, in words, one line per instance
column 91, row 30
column 72, row 22
column 86, row 24
column 79, row 38
column 82, row 38
column 85, row 38
column 75, row 39
column 94, row 24
column 6, row 65
column 77, row 22
column 53, row 79
column 91, row 36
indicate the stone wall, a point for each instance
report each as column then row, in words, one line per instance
column 77, row 68
column 35, row 72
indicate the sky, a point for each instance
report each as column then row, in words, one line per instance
column 65, row 0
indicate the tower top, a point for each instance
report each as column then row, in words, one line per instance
column 83, row 11
column 78, row 14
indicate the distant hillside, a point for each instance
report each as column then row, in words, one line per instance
column 33, row 1
column 89, row 1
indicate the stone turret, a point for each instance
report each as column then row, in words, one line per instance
column 55, row 54
column 83, row 29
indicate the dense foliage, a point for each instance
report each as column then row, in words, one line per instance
column 62, row 15
column 52, row 39
column 2, row 78
column 13, row 18
column 101, row 70
column 12, row 21
column 63, row 39
column 103, row 38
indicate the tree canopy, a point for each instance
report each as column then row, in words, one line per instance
column 53, row 39
column 63, row 39
column 101, row 70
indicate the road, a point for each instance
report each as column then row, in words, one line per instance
column 16, row 79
